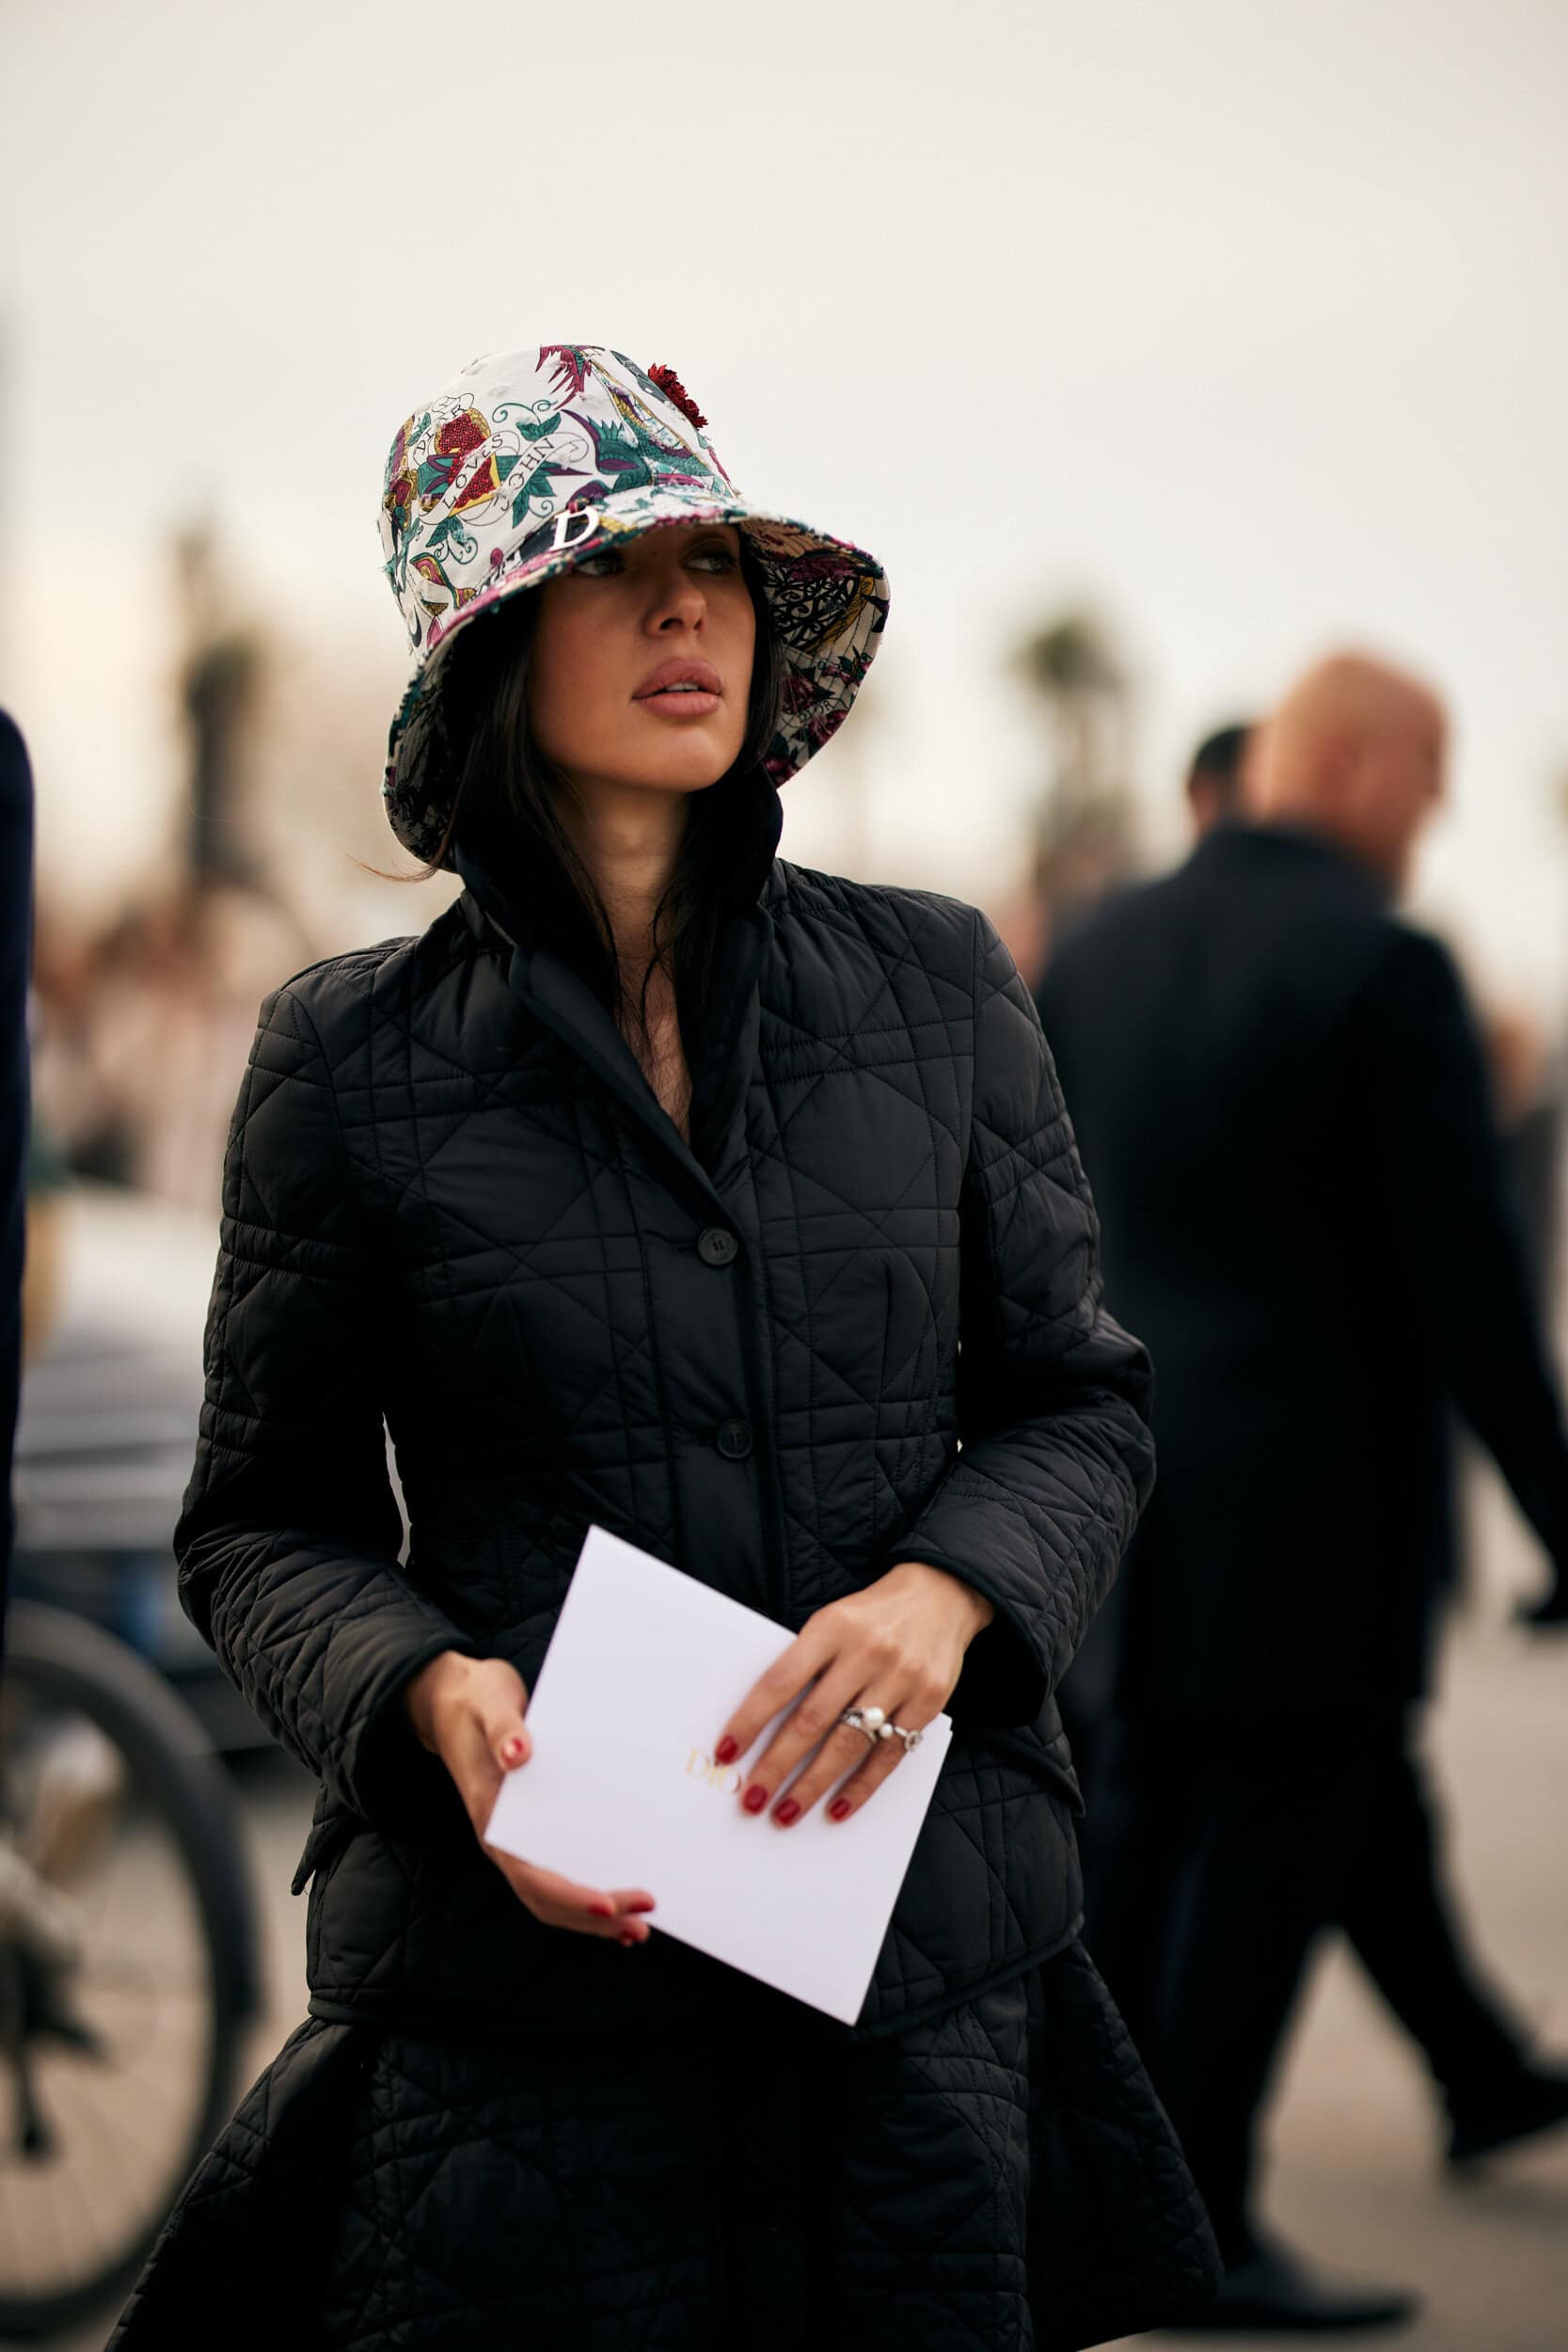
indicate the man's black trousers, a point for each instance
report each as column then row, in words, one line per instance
column 1217, row 1852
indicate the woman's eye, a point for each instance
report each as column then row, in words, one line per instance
column 605, row 561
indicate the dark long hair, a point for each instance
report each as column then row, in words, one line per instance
column 506, row 813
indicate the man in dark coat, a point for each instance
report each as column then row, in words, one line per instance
column 1283, row 1110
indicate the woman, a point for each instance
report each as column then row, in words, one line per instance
column 658, row 1184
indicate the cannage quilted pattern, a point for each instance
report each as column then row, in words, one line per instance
column 996, row 2180
column 452, row 1201
column 455, row 1215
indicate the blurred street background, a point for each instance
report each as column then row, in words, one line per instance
column 1155, row 350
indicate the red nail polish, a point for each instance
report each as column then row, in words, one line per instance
column 838, row 1809
column 601, row 1911
column 639, row 1908
column 726, row 1751
column 787, row 1812
column 755, row 1798
column 628, row 1937
column 512, row 1751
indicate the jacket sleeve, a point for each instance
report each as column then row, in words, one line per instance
column 1055, row 1457
column 1463, row 1289
column 289, row 1537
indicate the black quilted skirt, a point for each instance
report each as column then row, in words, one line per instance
column 999, row 2179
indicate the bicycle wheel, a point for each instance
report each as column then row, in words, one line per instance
column 127, row 1963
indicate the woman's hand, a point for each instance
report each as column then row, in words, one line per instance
column 469, row 1712
column 899, row 1645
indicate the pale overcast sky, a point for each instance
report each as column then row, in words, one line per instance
column 1245, row 317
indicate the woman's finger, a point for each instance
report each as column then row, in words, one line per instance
column 500, row 1701
column 566, row 1895
column 872, row 1762
column 512, row 1746
column 785, row 1679
column 815, row 1723
column 882, row 1761
column 619, row 1913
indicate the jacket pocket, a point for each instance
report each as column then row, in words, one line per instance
column 332, row 1828
column 909, row 1331
column 1041, row 1747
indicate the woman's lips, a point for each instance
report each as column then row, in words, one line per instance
column 678, row 704
column 681, row 690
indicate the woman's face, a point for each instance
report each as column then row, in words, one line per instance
column 640, row 667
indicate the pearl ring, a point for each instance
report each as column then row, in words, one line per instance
column 874, row 1722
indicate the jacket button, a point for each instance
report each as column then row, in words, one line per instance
column 715, row 1247
column 734, row 1439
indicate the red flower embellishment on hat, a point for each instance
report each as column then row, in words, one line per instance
column 675, row 391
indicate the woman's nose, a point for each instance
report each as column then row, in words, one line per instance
column 678, row 603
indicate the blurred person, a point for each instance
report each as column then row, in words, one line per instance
column 658, row 1184
column 16, row 907
column 1214, row 789
column 1400, row 1920
column 1216, row 780
column 1283, row 1107
column 1527, row 1086
column 48, row 1184
column 144, row 1030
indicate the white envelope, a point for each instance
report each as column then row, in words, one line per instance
column 644, row 1667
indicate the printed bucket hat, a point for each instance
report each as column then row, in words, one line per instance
column 530, row 460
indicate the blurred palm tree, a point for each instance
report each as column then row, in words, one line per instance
column 1082, row 843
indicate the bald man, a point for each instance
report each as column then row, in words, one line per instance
column 1282, row 1108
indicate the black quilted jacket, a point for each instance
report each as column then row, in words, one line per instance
column 452, row 1199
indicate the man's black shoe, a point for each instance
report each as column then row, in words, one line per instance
column 1533, row 2099
column 1270, row 2292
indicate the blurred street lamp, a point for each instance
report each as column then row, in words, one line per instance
column 219, row 680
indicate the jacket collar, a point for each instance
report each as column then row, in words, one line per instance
column 1233, row 845
column 547, row 984
column 520, row 902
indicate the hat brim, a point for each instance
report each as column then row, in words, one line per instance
column 827, row 599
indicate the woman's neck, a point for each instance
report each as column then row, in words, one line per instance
column 628, row 837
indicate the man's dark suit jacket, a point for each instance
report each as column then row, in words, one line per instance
column 1283, row 1111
